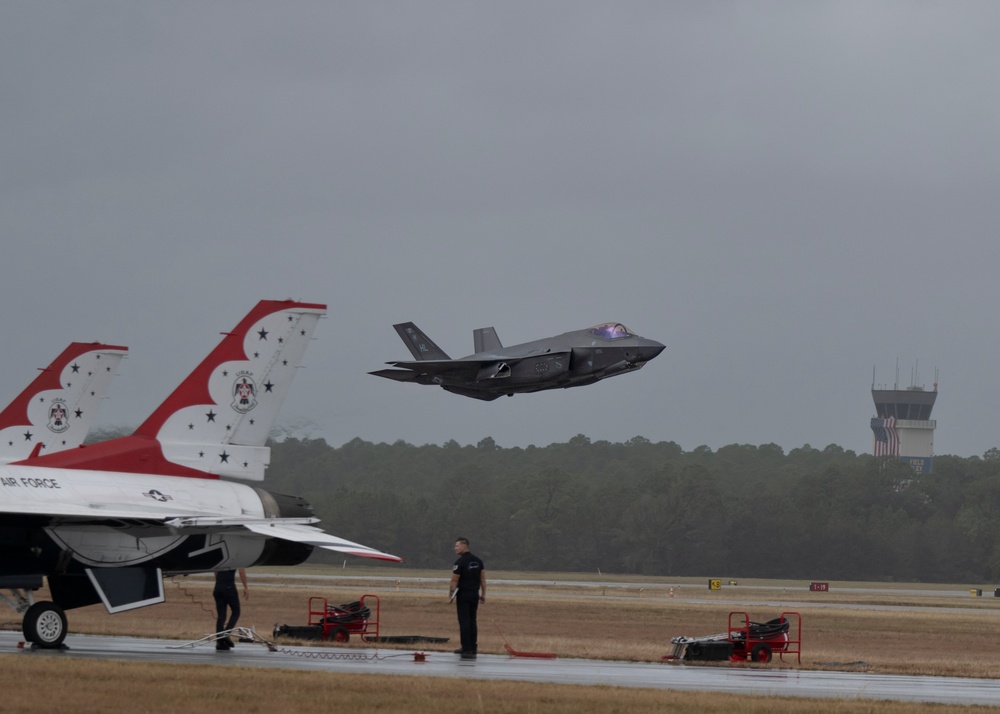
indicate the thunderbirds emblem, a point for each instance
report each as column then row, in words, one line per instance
column 58, row 416
column 244, row 393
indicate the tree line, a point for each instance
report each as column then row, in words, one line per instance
column 652, row 508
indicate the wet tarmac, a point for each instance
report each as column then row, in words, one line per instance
column 732, row 680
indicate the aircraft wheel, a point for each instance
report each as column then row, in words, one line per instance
column 45, row 625
column 761, row 653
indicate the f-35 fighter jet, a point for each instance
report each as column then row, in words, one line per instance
column 571, row 359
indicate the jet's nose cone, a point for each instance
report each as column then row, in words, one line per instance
column 646, row 350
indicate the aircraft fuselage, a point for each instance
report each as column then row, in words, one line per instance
column 115, row 536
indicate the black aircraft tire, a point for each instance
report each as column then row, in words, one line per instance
column 45, row 625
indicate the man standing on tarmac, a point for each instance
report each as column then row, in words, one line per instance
column 226, row 595
column 467, row 589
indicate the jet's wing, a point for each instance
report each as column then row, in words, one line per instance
column 298, row 530
column 309, row 535
column 480, row 370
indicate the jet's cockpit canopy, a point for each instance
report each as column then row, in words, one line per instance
column 611, row 331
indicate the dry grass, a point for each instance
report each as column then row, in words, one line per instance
column 953, row 637
column 91, row 687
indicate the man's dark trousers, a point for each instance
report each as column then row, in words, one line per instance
column 467, row 605
column 226, row 597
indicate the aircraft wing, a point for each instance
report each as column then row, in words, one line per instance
column 470, row 367
column 479, row 374
column 297, row 530
column 438, row 366
column 309, row 535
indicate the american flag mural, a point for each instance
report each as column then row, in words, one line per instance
column 886, row 439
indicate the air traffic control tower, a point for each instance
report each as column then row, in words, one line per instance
column 903, row 426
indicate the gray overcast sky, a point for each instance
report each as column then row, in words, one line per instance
column 786, row 194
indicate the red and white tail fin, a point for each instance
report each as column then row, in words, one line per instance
column 219, row 418
column 56, row 410
column 217, row 421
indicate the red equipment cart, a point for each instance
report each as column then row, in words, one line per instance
column 757, row 641
column 338, row 623
column 745, row 641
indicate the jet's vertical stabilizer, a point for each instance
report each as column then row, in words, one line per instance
column 420, row 345
column 57, row 409
column 219, row 418
column 217, row 421
column 486, row 340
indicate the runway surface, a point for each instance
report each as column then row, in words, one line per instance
column 732, row 680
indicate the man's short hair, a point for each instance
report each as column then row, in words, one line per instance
column 462, row 540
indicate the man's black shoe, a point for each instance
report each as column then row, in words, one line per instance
column 468, row 655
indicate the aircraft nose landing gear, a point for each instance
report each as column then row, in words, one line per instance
column 45, row 625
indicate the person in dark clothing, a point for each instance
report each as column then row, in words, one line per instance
column 226, row 596
column 468, row 590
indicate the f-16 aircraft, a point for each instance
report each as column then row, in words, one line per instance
column 56, row 410
column 572, row 359
column 105, row 522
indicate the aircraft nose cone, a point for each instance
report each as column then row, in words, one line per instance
column 644, row 351
column 650, row 349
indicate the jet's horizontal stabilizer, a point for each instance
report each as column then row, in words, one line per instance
column 400, row 375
